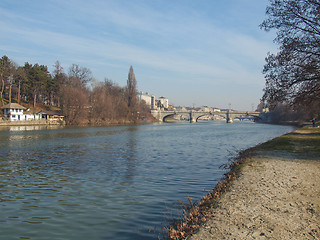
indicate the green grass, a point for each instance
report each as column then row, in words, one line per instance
column 304, row 142
column 311, row 129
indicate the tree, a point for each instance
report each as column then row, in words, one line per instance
column 75, row 105
column 79, row 75
column 132, row 92
column 293, row 74
column 19, row 79
column 7, row 68
column 10, row 86
column 75, row 95
column 59, row 78
column 104, row 102
column 38, row 78
column 108, row 102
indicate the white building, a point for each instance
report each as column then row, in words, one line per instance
column 13, row 112
column 206, row 109
column 150, row 100
column 164, row 102
column 50, row 116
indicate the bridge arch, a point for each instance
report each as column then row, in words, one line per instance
column 167, row 116
column 201, row 115
column 222, row 115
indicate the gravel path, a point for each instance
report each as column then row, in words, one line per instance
column 274, row 198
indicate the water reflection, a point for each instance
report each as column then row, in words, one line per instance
column 30, row 128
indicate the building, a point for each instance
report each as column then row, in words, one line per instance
column 206, row 109
column 49, row 115
column 181, row 109
column 13, row 112
column 150, row 100
column 164, row 102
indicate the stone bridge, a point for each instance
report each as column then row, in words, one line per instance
column 193, row 116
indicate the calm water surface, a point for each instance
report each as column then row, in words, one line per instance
column 111, row 182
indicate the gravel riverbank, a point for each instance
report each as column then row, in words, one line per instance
column 277, row 195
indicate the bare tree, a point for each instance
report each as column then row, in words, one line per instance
column 75, row 104
column 75, row 95
column 293, row 74
column 109, row 103
column 80, row 75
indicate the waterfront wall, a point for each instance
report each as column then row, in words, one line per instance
column 30, row 122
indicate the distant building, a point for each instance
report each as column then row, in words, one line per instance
column 150, row 100
column 171, row 108
column 181, row 109
column 206, row 109
column 164, row 102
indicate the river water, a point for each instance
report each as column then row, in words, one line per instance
column 112, row 182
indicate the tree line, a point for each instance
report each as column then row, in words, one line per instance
column 81, row 99
column 293, row 74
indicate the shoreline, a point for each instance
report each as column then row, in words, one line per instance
column 63, row 124
column 271, row 192
column 30, row 123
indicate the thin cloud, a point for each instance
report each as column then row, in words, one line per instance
column 179, row 42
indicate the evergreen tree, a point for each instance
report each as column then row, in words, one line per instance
column 19, row 79
column 38, row 80
column 6, row 72
column 59, row 79
column 132, row 91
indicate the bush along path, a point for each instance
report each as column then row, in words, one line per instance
column 271, row 192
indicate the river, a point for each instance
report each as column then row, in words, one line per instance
column 103, row 183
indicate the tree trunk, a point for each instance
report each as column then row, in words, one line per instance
column 19, row 91
column 34, row 99
column 1, row 93
column 10, row 87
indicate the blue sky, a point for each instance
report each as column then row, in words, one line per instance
column 204, row 52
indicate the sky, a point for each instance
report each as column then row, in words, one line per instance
column 195, row 53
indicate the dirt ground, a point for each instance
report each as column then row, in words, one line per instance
column 274, row 198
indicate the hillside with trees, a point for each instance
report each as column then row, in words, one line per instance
column 74, row 94
column 293, row 74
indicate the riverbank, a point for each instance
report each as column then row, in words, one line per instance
column 63, row 123
column 30, row 123
column 275, row 194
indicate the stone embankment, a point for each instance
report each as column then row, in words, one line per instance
column 5, row 123
column 277, row 195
